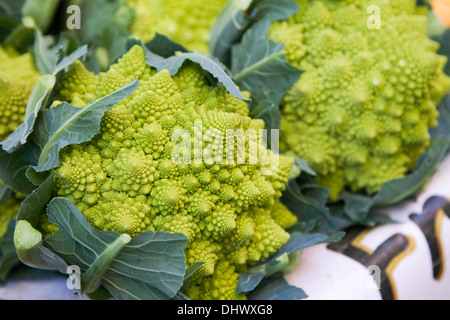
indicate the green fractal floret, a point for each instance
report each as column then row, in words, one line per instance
column 18, row 76
column 129, row 178
column 185, row 22
column 361, row 111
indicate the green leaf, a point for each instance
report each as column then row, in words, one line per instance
column 304, row 167
column 8, row 256
column 163, row 46
column 259, row 65
column 33, row 206
column 11, row 7
column 31, row 250
column 36, row 178
column 105, row 29
column 21, row 35
column 45, row 57
column 38, row 100
column 64, row 125
column 51, row 57
column 191, row 270
column 444, row 48
column 276, row 288
column 270, row 114
column 13, row 172
column 158, row 259
column 249, row 280
column 150, row 266
column 212, row 66
column 237, row 16
column 309, row 203
column 42, row 11
column 5, row 193
column 7, row 25
column 66, row 61
column 228, row 27
column 273, row 9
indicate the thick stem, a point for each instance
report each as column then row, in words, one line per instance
column 91, row 280
column 28, row 243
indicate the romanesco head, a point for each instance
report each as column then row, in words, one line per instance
column 361, row 111
column 185, row 22
column 18, row 76
column 169, row 159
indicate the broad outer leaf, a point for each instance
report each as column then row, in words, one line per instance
column 65, row 125
column 174, row 63
column 443, row 128
column 228, row 28
column 151, row 266
column 5, row 193
column 163, row 46
column 274, row 9
column 45, row 57
column 12, row 172
column 444, row 49
column 154, row 258
column 11, row 8
column 308, row 204
column 105, row 28
column 237, row 16
column 259, row 65
column 276, row 288
column 31, row 251
column 34, row 205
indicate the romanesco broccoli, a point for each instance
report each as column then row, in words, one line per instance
column 185, row 22
column 129, row 178
column 18, row 76
column 361, row 111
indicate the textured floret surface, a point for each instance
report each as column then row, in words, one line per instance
column 360, row 113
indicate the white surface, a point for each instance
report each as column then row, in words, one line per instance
column 37, row 289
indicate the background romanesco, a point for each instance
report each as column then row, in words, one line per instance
column 185, row 22
column 361, row 111
column 18, row 76
column 127, row 180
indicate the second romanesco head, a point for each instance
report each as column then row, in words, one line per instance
column 361, row 111
column 130, row 177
